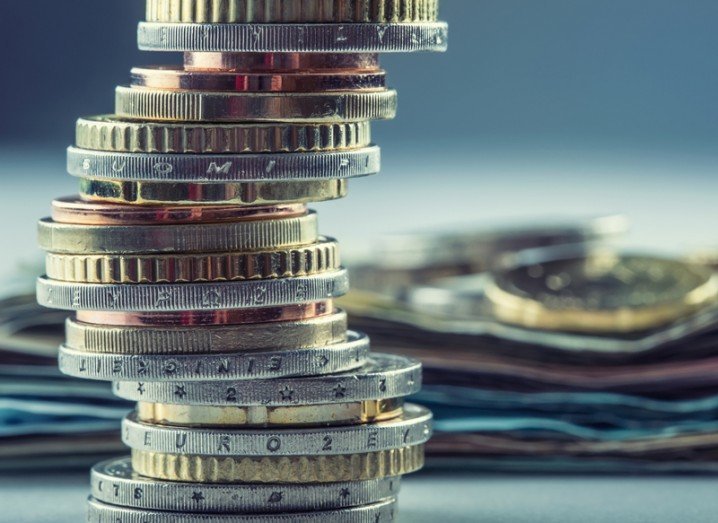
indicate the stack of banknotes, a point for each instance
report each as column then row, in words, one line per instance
column 47, row 419
column 545, row 348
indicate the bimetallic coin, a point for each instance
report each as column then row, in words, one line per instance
column 199, row 339
column 110, row 133
column 367, row 411
column 203, row 106
column 171, row 77
column 265, row 167
column 383, row 377
column 296, row 11
column 598, row 291
column 294, row 38
column 250, row 365
column 168, row 297
column 115, row 483
column 81, row 212
column 294, row 312
column 192, row 268
column 412, row 428
column 255, row 235
column 279, row 469
column 247, row 193
column 383, row 511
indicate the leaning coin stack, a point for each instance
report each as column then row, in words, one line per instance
column 201, row 285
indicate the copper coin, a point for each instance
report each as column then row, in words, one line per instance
column 273, row 62
column 304, row 81
column 77, row 211
column 210, row 317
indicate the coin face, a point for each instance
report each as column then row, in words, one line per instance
column 600, row 291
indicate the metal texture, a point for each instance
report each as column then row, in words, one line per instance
column 246, row 193
column 110, row 133
column 74, row 210
column 104, row 513
column 192, row 268
column 255, row 235
column 115, row 483
column 412, row 428
column 276, row 469
column 294, row 312
column 171, row 77
column 352, row 413
column 197, row 168
column 383, row 377
column 242, row 365
column 300, row 11
column 197, row 106
column 198, row 339
column 169, row 297
column 294, row 38
column 280, row 62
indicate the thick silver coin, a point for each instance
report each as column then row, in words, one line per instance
column 315, row 361
column 224, row 168
column 382, row 512
column 412, row 428
column 384, row 376
column 294, row 38
column 190, row 296
column 115, row 483
column 189, row 339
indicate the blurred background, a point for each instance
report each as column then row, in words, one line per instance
column 559, row 109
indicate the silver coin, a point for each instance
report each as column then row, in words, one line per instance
column 382, row 512
column 191, row 296
column 384, row 376
column 208, row 339
column 294, row 38
column 114, row 482
column 66, row 238
column 145, row 103
column 315, row 361
column 412, row 428
column 224, row 168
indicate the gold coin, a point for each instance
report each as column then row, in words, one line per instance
column 256, row 193
column 111, row 133
column 600, row 291
column 201, row 106
column 286, row 469
column 260, row 235
column 308, row 415
column 294, row 11
column 207, row 339
column 193, row 268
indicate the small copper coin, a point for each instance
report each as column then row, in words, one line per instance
column 241, row 81
column 77, row 211
column 210, row 317
column 256, row 62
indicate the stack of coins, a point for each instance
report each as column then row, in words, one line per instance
column 201, row 285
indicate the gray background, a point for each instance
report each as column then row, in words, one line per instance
column 552, row 74
column 540, row 108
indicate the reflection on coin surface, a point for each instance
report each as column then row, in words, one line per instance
column 102, row 513
column 114, row 482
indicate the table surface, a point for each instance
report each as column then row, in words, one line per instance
column 454, row 498
column 483, row 190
